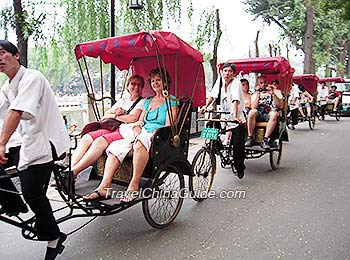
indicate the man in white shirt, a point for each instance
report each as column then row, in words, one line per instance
column 232, row 100
column 31, row 108
column 322, row 99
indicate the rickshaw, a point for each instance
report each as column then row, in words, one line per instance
column 309, row 81
column 327, row 108
column 136, row 53
column 204, row 162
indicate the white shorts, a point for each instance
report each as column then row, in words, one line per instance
column 119, row 148
column 145, row 138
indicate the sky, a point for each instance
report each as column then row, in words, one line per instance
column 239, row 32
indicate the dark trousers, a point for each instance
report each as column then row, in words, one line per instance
column 294, row 116
column 10, row 201
column 237, row 143
column 34, row 183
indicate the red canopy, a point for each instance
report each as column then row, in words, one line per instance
column 334, row 80
column 309, row 81
column 144, row 51
column 271, row 67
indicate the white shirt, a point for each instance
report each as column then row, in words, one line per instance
column 293, row 94
column 126, row 130
column 322, row 93
column 15, row 139
column 41, row 121
column 125, row 103
column 233, row 93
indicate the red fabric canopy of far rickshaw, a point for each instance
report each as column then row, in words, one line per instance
column 271, row 67
column 144, row 51
column 309, row 81
column 333, row 80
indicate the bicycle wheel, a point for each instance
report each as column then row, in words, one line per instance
column 167, row 198
column 204, row 168
column 276, row 155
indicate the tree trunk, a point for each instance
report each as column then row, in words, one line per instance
column 22, row 41
column 257, row 44
column 214, row 60
column 309, row 61
column 341, row 67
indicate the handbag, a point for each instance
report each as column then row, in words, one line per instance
column 110, row 124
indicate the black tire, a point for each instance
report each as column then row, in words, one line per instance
column 163, row 207
column 204, row 168
column 276, row 155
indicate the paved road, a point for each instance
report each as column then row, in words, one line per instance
column 300, row 211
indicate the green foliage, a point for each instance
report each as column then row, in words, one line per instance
column 341, row 6
column 58, row 25
column 33, row 19
column 331, row 31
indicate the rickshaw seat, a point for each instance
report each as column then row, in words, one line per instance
column 261, row 124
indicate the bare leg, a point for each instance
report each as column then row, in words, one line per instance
column 336, row 101
column 92, row 154
column 83, row 146
column 251, row 121
column 111, row 166
column 308, row 110
column 139, row 162
column 271, row 124
column 301, row 111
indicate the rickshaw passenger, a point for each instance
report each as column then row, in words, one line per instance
column 304, row 100
column 232, row 101
column 333, row 97
column 93, row 144
column 247, row 96
column 265, row 105
column 44, row 139
column 154, row 115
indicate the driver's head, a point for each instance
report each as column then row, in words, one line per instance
column 228, row 71
column 334, row 88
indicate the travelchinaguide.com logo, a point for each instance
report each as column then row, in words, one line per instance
column 149, row 193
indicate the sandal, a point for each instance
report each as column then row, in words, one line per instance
column 96, row 196
column 130, row 196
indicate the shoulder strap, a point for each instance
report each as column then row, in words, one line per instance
column 133, row 105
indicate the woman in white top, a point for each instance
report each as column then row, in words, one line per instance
column 93, row 144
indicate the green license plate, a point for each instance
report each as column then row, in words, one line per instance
column 210, row 133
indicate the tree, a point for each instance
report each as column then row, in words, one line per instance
column 322, row 34
column 25, row 21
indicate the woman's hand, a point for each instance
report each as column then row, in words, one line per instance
column 119, row 111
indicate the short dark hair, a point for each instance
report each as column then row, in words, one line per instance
column 244, row 80
column 164, row 75
column 276, row 81
column 231, row 65
column 301, row 88
column 9, row 47
column 334, row 86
